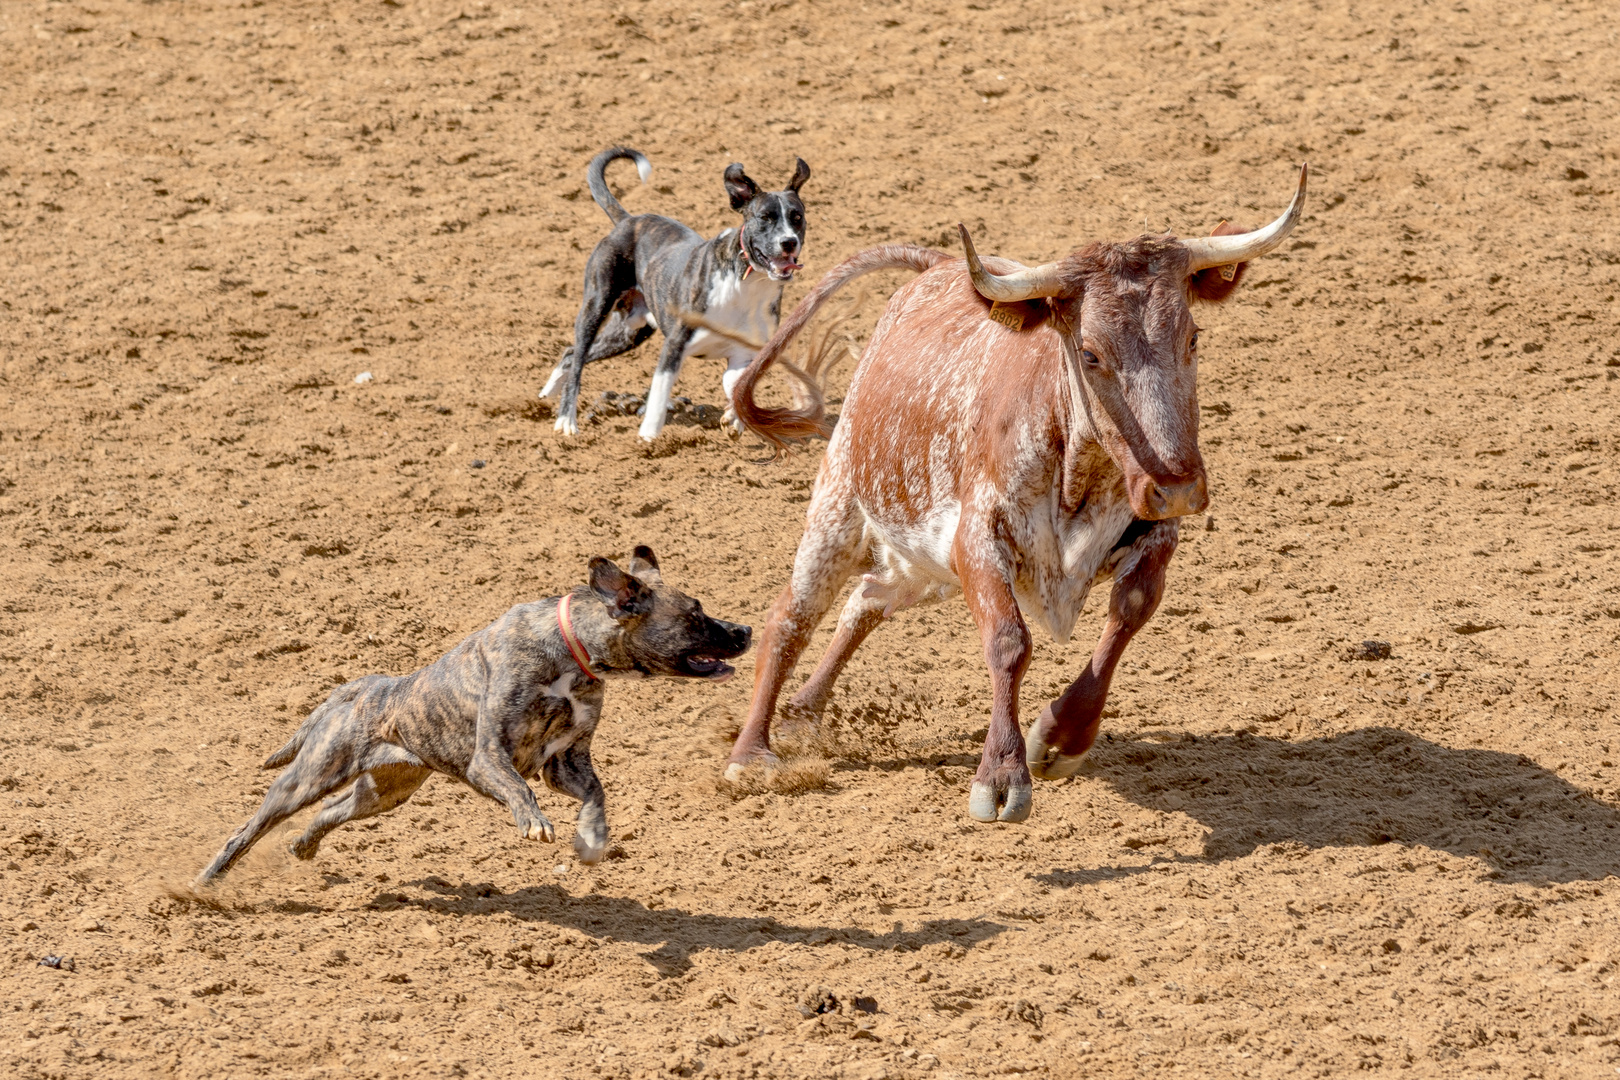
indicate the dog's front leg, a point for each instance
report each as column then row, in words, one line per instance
column 570, row 771
column 670, row 357
column 491, row 773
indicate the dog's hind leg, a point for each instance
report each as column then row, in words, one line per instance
column 607, row 275
column 627, row 327
column 375, row 791
column 570, row 772
column 320, row 769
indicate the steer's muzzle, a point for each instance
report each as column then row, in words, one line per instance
column 1157, row 500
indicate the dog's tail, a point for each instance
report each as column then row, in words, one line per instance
column 808, row 416
column 598, row 184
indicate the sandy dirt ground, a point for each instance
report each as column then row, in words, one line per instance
column 1282, row 858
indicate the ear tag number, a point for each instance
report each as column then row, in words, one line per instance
column 1009, row 315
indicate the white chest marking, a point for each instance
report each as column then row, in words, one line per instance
column 563, row 688
column 739, row 304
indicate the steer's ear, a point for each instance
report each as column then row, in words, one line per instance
column 1217, row 282
column 624, row 596
column 741, row 189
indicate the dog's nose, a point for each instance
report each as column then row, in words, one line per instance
column 744, row 636
column 790, row 244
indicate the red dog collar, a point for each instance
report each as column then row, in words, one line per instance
column 565, row 626
column 742, row 246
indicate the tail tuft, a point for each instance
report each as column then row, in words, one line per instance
column 808, row 415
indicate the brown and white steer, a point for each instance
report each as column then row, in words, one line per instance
column 1018, row 465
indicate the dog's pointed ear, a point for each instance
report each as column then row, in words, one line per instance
column 801, row 173
column 741, row 189
column 625, row 596
column 644, row 565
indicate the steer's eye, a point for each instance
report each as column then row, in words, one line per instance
column 1192, row 346
column 1090, row 358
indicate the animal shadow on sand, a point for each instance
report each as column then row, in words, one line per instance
column 1367, row 787
column 677, row 934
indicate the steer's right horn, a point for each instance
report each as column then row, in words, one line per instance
column 1018, row 285
column 1204, row 252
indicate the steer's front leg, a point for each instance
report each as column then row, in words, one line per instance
column 1059, row 740
column 1002, row 790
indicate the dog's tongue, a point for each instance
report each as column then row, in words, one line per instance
column 785, row 265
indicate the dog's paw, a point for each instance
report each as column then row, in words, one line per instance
column 540, row 830
column 566, row 425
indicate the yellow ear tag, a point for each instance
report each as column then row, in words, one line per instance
column 1009, row 315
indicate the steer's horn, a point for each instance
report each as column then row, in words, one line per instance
column 1207, row 251
column 1006, row 288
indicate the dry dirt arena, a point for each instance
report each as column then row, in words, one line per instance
column 1284, row 857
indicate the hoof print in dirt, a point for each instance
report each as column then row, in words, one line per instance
column 1370, row 650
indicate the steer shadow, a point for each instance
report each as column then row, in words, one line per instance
column 1370, row 786
column 676, row 933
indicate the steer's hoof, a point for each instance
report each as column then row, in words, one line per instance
column 1047, row 763
column 1041, row 746
column 989, row 803
column 737, row 770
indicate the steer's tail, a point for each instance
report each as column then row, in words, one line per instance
column 595, row 180
column 778, row 426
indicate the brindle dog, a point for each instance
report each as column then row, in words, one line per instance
column 517, row 699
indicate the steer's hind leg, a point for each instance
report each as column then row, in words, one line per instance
column 861, row 615
column 376, row 791
column 1002, row 790
column 1059, row 740
column 832, row 548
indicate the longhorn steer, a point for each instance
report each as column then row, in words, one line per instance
column 1016, row 464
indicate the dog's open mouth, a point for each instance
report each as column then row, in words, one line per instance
column 783, row 266
column 708, row 667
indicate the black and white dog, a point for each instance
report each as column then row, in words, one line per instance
column 653, row 273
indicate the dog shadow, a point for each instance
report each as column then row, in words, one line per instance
column 675, row 933
column 1364, row 788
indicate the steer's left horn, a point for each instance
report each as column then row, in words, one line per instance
column 1018, row 285
column 1204, row 252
